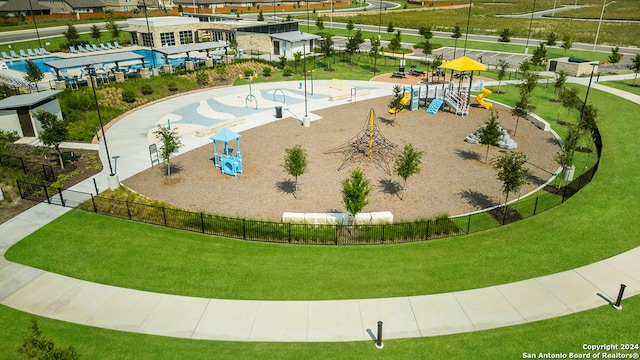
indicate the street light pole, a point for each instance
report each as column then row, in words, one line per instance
column 533, row 10
column 153, row 56
column 33, row 16
column 604, row 5
column 455, row 43
column 305, row 119
column 466, row 34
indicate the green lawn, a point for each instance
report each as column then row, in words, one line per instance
column 596, row 223
column 627, row 85
column 561, row 335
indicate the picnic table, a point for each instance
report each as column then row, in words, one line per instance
column 398, row 74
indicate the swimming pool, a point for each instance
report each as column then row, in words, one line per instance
column 21, row 65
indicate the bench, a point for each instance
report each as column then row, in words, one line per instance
column 416, row 72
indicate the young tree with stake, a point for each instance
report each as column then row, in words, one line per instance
column 511, row 172
column 54, row 131
column 295, row 164
column 407, row 164
column 490, row 133
column 170, row 145
column 355, row 190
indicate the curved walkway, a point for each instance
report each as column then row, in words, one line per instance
column 77, row 301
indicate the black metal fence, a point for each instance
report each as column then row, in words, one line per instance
column 40, row 171
column 299, row 233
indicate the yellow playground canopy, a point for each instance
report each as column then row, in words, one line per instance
column 463, row 64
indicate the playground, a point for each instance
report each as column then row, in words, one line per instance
column 454, row 178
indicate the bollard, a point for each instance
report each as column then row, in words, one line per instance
column 379, row 343
column 618, row 305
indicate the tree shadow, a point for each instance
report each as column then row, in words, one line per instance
column 553, row 141
column 390, row 187
column 535, row 180
column 387, row 121
column 287, row 186
column 468, row 155
column 477, row 199
column 175, row 169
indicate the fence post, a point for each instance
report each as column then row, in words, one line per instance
column 244, row 229
column 564, row 192
column 46, row 193
column 128, row 210
column 95, row 209
column 535, row 206
column 202, row 222
column 469, row 225
column 24, row 168
column 289, row 232
column 426, row 234
column 382, row 240
column 95, row 185
column 164, row 216
column 61, row 197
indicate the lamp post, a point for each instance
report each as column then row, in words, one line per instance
column 375, row 56
column 455, row 43
column 113, row 178
column 526, row 47
column 604, row 5
column 153, row 57
column 305, row 119
column 33, row 16
column 308, row 25
column 466, row 34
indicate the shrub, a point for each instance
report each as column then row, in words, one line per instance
column 248, row 73
column 172, row 86
column 287, row 71
column 266, row 71
column 202, row 77
column 146, row 89
column 128, row 96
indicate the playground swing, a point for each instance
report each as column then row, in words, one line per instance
column 229, row 164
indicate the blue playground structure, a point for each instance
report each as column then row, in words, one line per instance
column 229, row 164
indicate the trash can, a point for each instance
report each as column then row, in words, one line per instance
column 278, row 112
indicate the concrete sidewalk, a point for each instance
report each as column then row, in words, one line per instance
column 77, row 301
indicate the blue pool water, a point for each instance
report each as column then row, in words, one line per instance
column 21, row 65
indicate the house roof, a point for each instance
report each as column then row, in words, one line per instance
column 190, row 3
column 294, row 36
column 27, row 100
column 77, row 4
column 22, row 5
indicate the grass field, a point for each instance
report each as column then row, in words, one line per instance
column 626, row 85
column 597, row 223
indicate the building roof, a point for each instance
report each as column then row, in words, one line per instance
column 78, row 4
column 190, row 3
column 22, row 5
column 163, row 21
column 93, row 60
column 294, row 36
column 179, row 49
column 27, row 100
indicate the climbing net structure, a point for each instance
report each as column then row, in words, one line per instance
column 370, row 145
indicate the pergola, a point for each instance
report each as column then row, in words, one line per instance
column 187, row 48
column 93, row 60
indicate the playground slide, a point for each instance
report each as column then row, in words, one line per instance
column 404, row 101
column 480, row 98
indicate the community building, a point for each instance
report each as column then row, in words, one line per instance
column 17, row 113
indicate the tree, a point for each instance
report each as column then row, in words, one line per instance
column 396, row 100
column 552, row 39
column 233, row 43
column 521, row 109
column 320, row 23
column 355, row 190
column 635, row 67
column 505, row 36
column 297, row 57
column 427, row 49
column 95, row 33
column 375, row 49
column 4, row 17
column 567, row 43
column 503, row 66
column 570, row 100
column 295, row 163
column 34, row 74
column 490, row 133
column 180, row 9
column 511, row 172
column 260, row 16
column 353, row 44
column 529, row 81
column 457, row 32
column 407, row 164
column 426, row 32
column 39, row 346
column 564, row 157
column 350, row 26
column 54, row 131
column 71, row 34
column 561, row 79
column 539, row 55
column 615, row 56
column 396, row 42
column 170, row 145
column 390, row 28
column 327, row 49
column 437, row 61
column 110, row 24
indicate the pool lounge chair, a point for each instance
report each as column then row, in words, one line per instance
column 22, row 53
column 88, row 47
column 37, row 52
column 94, row 47
column 44, row 51
column 102, row 47
column 13, row 54
column 73, row 49
column 30, row 52
column 4, row 55
column 115, row 43
column 81, row 49
column 110, row 47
